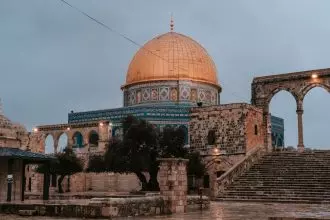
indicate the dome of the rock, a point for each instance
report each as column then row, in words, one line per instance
column 172, row 56
column 171, row 68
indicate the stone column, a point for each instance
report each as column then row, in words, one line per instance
column 173, row 184
column 70, row 141
column 300, row 112
column 56, row 145
column 104, row 137
column 267, row 129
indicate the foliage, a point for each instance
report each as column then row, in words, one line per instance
column 195, row 165
column 96, row 164
column 172, row 142
column 67, row 163
column 140, row 148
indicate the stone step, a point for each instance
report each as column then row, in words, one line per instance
column 269, row 188
column 272, row 200
column 27, row 212
column 276, row 197
column 284, row 176
column 293, row 180
column 282, row 193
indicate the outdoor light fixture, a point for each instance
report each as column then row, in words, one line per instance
column 314, row 76
column 101, row 124
column 68, row 128
column 216, row 150
column 110, row 124
column 35, row 129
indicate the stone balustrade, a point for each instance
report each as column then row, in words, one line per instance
column 238, row 169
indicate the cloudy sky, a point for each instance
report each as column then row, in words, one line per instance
column 53, row 59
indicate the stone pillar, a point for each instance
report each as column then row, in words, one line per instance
column 267, row 129
column 56, row 145
column 104, row 136
column 70, row 141
column 173, row 184
column 300, row 112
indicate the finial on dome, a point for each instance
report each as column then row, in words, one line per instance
column 172, row 23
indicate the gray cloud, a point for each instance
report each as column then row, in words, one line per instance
column 52, row 59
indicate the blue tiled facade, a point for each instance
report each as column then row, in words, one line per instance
column 160, row 116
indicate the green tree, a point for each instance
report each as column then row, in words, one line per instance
column 195, row 165
column 140, row 148
column 67, row 163
column 136, row 152
column 96, row 164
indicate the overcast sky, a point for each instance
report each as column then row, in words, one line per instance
column 53, row 59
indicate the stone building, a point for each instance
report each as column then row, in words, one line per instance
column 223, row 135
column 171, row 81
column 231, row 128
column 169, row 75
column 15, row 156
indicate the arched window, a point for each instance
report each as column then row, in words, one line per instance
column 93, row 139
column 185, row 129
column 77, row 140
column 211, row 137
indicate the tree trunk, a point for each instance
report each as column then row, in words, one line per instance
column 142, row 179
column 59, row 183
column 153, row 184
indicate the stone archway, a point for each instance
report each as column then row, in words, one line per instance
column 298, row 84
column 49, row 143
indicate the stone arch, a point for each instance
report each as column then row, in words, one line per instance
column 312, row 86
column 63, row 141
column 315, row 116
column 276, row 91
column 49, row 143
column 93, row 138
column 298, row 84
column 77, row 140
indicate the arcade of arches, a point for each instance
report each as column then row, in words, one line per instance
column 87, row 137
column 298, row 84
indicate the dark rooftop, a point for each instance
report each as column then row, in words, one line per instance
column 22, row 154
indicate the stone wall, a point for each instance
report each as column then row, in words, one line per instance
column 233, row 125
column 254, row 130
column 104, row 207
column 124, row 207
column 17, row 180
column 97, row 182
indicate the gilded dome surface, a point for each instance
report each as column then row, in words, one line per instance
column 172, row 56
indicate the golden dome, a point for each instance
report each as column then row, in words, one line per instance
column 172, row 56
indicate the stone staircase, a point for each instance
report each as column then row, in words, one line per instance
column 284, row 177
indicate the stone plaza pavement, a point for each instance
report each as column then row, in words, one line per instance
column 232, row 211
